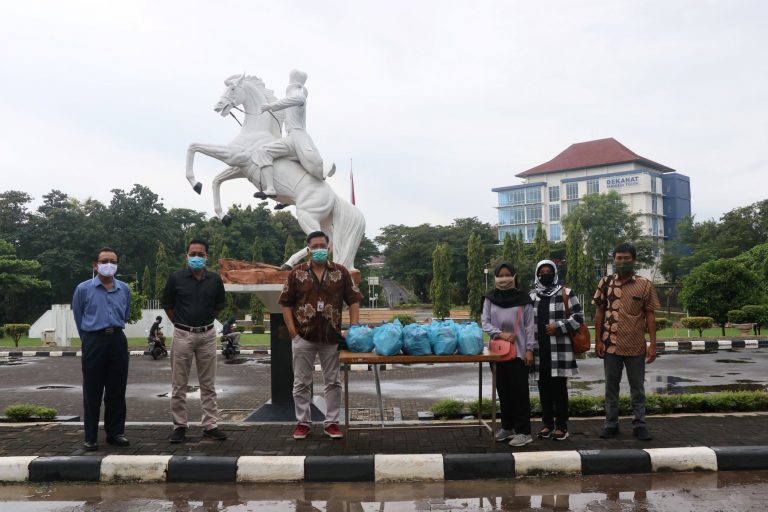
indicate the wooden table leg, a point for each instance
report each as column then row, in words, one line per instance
column 493, row 406
column 346, row 402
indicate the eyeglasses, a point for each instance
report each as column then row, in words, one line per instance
column 201, row 254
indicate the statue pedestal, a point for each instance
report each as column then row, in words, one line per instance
column 280, row 408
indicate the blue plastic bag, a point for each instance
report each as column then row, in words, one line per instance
column 388, row 338
column 416, row 340
column 470, row 339
column 442, row 337
column 360, row 338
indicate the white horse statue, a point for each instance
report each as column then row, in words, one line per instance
column 318, row 208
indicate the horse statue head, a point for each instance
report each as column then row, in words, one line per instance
column 248, row 91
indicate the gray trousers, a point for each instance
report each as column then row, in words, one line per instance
column 614, row 365
column 304, row 353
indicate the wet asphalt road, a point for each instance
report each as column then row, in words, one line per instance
column 678, row 492
column 245, row 385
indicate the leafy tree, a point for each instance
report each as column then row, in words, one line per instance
column 541, row 244
column 16, row 331
column 606, row 221
column 714, row 288
column 580, row 274
column 137, row 303
column 146, row 283
column 290, row 248
column 161, row 270
column 258, row 309
column 440, row 288
column 475, row 260
column 257, row 251
column 507, row 248
column 20, row 284
column 524, row 268
column 13, row 214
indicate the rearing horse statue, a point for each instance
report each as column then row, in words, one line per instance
column 317, row 205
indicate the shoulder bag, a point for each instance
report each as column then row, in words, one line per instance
column 506, row 349
column 580, row 338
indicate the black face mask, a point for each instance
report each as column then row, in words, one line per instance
column 547, row 279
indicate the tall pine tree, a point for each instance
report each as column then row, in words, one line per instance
column 146, row 283
column 161, row 270
column 541, row 244
column 475, row 285
column 440, row 288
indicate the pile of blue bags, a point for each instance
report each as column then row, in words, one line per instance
column 441, row 337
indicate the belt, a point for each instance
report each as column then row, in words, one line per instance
column 189, row 328
column 108, row 330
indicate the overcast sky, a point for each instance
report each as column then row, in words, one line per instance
column 435, row 102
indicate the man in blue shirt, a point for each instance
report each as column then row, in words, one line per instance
column 101, row 306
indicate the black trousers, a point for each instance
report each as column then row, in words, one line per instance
column 514, row 399
column 105, row 375
column 553, row 392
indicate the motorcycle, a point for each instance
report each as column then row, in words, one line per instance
column 228, row 347
column 157, row 347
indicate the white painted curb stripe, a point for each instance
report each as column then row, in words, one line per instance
column 29, row 353
column 15, row 469
column 671, row 345
column 413, row 468
column 274, row 468
column 697, row 344
column 696, row 458
column 144, row 468
column 538, row 463
column 724, row 344
column 751, row 344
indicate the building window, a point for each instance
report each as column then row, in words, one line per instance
column 554, row 194
column 593, row 187
column 654, row 204
column 533, row 195
column 655, row 226
column 571, row 190
column 554, row 232
column 533, row 213
column 554, row 212
column 653, row 185
column 530, row 232
column 570, row 205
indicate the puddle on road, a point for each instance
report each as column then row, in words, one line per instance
column 670, row 384
column 55, row 386
column 703, row 492
column 192, row 392
column 735, row 361
column 245, row 360
column 12, row 361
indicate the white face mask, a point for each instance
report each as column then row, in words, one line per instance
column 106, row 269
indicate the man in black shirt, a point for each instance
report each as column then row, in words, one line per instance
column 191, row 299
column 156, row 331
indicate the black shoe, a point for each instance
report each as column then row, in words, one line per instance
column 609, row 432
column 215, row 433
column 178, row 435
column 641, row 433
column 120, row 440
column 260, row 195
column 90, row 447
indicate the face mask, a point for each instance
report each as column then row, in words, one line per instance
column 196, row 262
column 319, row 255
column 625, row 268
column 106, row 269
column 504, row 283
column 547, row 279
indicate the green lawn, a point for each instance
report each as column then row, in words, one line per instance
column 246, row 340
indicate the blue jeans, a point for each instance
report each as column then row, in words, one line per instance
column 614, row 365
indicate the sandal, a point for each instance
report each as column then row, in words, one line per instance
column 560, row 434
column 544, row 433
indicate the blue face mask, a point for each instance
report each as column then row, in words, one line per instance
column 196, row 262
column 319, row 255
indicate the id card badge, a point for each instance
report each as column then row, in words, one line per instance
column 320, row 306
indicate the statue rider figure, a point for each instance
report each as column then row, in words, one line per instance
column 296, row 145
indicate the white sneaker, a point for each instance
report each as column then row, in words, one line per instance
column 504, row 434
column 520, row 440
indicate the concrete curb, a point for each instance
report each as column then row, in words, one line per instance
column 660, row 345
column 380, row 468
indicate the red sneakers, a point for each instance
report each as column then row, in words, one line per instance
column 333, row 431
column 301, row 431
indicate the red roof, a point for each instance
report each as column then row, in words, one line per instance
column 593, row 153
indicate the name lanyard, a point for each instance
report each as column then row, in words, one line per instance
column 319, row 288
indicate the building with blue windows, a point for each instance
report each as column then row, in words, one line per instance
column 659, row 194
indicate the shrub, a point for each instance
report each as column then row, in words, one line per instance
column 16, row 331
column 240, row 328
column 258, row 329
column 474, row 406
column 404, row 319
column 756, row 313
column 663, row 323
column 448, row 408
column 26, row 412
column 737, row 316
column 697, row 322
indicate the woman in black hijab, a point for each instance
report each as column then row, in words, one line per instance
column 508, row 314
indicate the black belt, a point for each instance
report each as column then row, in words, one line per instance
column 189, row 328
column 108, row 330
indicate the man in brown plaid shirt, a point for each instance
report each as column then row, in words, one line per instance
column 312, row 301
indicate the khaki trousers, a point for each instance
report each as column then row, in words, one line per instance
column 200, row 347
column 304, row 353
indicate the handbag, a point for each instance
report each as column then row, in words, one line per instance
column 507, row 350
column 580, row 338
